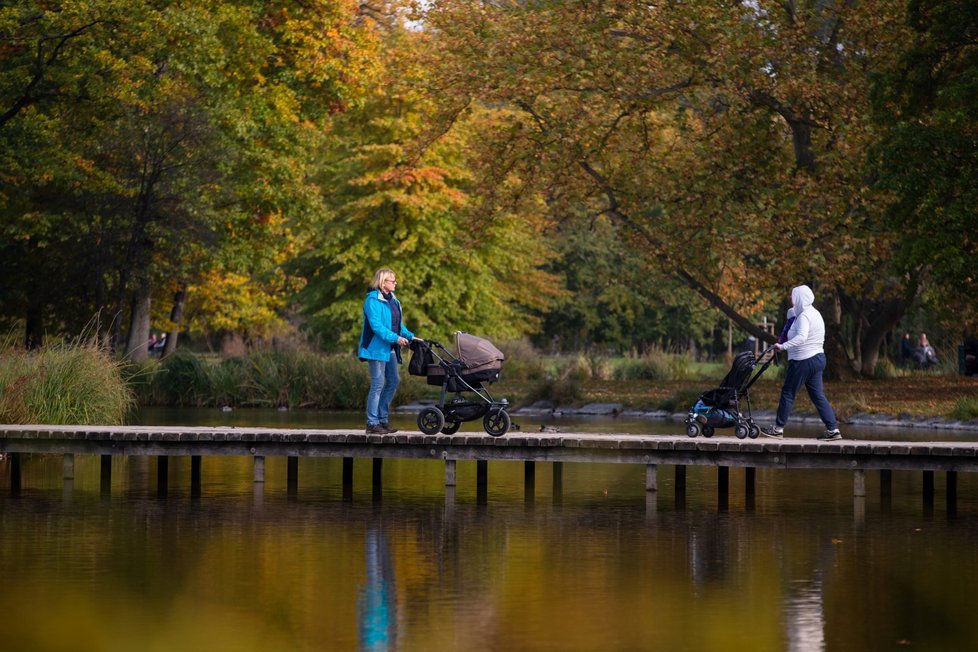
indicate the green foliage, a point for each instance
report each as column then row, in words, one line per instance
column 74, row 383
column 656, row 365
column 928, row 155
column 394, row 203
column 966, row 408
column 182, row 379
column 172, row 139
column 680, row 401
column 294, row 379
column 563, row 390
column 522, row 360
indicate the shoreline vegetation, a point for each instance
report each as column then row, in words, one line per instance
column 79, row 383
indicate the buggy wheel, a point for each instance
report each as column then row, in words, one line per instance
column 496, row 422
column 754, row 431
column 708, row 431
column 431, row 420
column 741, row 431
column 451, row 427
column 693, row 429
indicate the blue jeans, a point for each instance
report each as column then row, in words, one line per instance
column 808, row 373
column 384, row 380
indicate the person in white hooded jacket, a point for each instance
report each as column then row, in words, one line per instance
column 806, row 362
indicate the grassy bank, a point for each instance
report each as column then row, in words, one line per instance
column 72, row 383
column 657, row 381
column 76, row 383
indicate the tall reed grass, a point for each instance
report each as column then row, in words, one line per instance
column 71, row 383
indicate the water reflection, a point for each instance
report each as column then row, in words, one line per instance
column 377, row 605
column 805, row 615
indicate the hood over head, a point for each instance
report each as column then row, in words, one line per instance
column 802, row 297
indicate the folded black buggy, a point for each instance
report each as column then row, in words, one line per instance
column 720, row 406
column 478, row 362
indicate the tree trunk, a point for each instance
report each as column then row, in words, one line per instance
column 34, row 326
column 176, row 316
column 137, row 344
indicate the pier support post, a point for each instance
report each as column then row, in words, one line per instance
column 292, row 474
column 195, row 476
column 651, row 477
column 162, row 474
column 347, row 478
column 680, row 486
column 14, row 473
column 481, row 482
column 259, row 469
column 951, row 492
column 859, row 483
column 886, row 490
column 451, row 477
column 68, row 467
column 750, row 488
column 377, row 479
column 558, row 482
column 723, row 486
column 105, row 475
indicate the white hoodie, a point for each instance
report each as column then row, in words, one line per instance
column 806, row 336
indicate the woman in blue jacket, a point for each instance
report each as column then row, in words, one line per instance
column 383, row 336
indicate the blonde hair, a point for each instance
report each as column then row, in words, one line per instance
column 380, row 276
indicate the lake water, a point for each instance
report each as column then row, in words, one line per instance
column 801, row 565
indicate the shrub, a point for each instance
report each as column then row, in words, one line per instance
column 656, row 365
column 680, row 401
column 523, row 362
column 966, row 408
column 74, row 383
column 181, row 379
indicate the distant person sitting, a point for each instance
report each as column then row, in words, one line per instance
column 971, row 356
column 907, row 349
column 925, row 356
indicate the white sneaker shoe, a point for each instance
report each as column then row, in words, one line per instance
column 776, row 432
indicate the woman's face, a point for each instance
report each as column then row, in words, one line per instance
column 389, row 283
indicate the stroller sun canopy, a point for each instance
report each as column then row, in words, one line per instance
column 476, row 353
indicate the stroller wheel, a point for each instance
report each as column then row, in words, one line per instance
column 451, row 427
column 708, row 431
column 693, row 429
column 754, row 431
column 742, row 430
column 431, row 420
column 496, row 422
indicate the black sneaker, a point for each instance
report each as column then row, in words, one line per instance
column 388, row 428
column 830, row 435
column 777, row 432
column 376, row 429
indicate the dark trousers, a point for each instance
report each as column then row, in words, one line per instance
column 808, row 373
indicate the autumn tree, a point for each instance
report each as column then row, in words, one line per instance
column 149, row 135
column 928, row 156
column 393, row 202
column 722, row 136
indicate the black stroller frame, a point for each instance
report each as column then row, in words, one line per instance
column 447, row 416
column 734, row 387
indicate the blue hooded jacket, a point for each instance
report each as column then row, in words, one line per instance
column 377, row 338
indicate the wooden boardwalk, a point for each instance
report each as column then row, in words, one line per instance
column 649, row 450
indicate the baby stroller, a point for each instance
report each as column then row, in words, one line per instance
column 720, row 406
column 477, row 362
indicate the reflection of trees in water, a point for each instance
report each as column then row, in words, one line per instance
column 708, row 544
